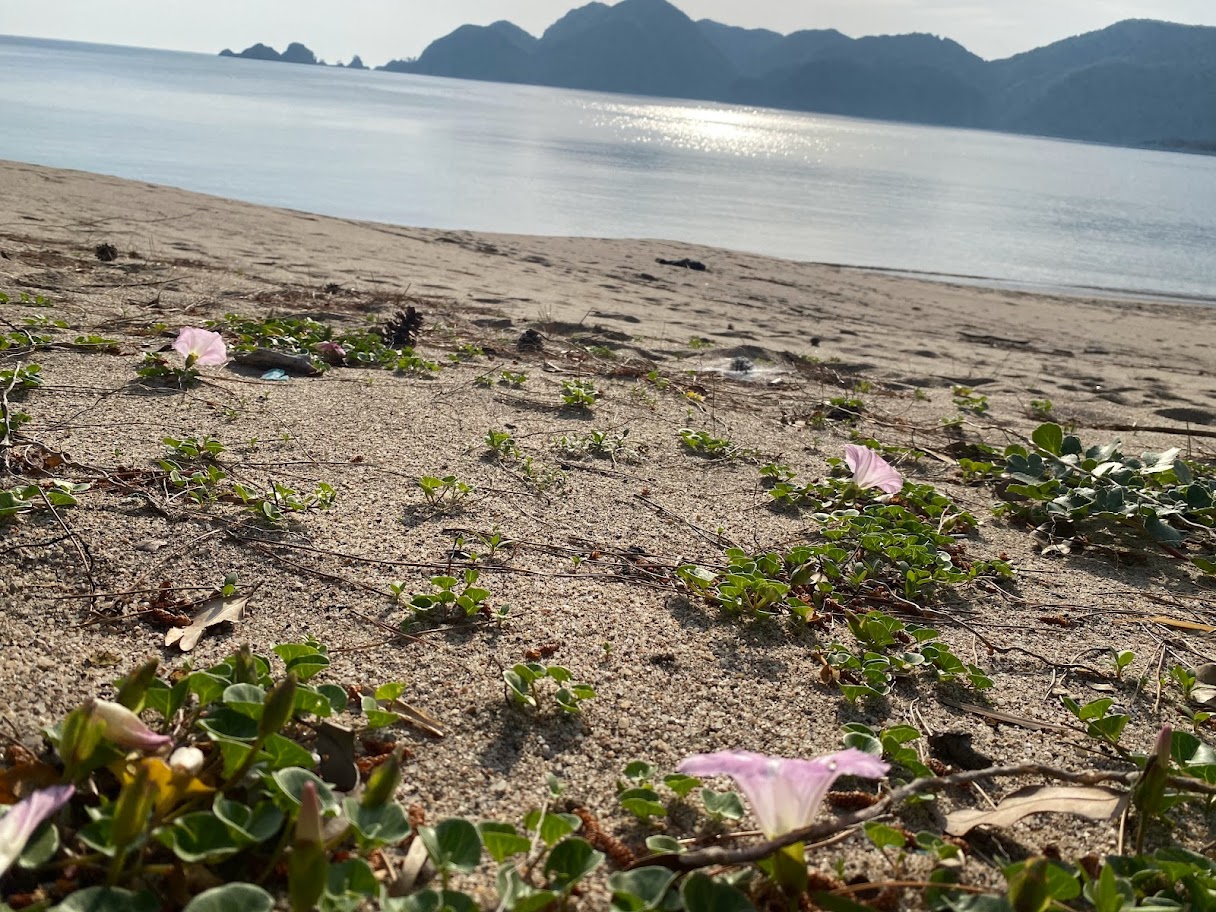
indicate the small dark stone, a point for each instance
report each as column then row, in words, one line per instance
column 531, row 340
column 742, row 366
column 686, row 263
column 815, row 340
column 647, row 277
column 107, row 253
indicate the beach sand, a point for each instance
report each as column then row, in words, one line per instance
column 588, row 578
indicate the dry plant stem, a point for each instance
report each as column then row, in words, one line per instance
column 716, row 855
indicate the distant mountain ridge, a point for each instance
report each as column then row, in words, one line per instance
column 1138, row 82
column 295, row 53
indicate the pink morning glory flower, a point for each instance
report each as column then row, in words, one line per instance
column 201, row 347
column 331, row 351
column 126, row 729
column 872, row 471
column 24, row 817
column 784, row 793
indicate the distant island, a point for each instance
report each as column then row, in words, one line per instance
column 295, row 53
column 1137, row 83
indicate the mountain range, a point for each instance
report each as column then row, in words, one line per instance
column 1138, row 82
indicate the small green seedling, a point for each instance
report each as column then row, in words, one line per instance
column 446, row 493
column 579, row 394
column 968, row 400
column 523, row 686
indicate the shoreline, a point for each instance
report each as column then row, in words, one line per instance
column 992, row 283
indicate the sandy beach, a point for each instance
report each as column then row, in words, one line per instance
column 750, row 350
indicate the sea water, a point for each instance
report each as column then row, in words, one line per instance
column 447, row 153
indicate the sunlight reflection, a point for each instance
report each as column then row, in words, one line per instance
column 741, row 132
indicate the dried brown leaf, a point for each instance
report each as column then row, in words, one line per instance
column 213, row 611
column 1090, row 801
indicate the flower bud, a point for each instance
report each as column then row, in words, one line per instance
column 382, row 783
column 278, row 707
column 306, row 868
column 132, row 808
column 187, row 762
column 135, row 686
column 125, row 729
column 244, row 666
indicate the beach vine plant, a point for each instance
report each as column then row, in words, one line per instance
column 1067, row 489
column 321, row 345
column 215, row 776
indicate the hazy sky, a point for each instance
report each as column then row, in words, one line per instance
column 382, row 29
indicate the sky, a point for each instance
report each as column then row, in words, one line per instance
column 380, row 30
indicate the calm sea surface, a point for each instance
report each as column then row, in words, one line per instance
column 456, row 154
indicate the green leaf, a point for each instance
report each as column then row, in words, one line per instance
column 283, row 752
column 230, row 725
column 233, row 897
column 454, row 844
column 829, row 902
column 247, row 699
column 41, row 847
column 681, row 784
column 349, row 885
column 639, row 771
column 310, row 701
column 307, row 667
column 643, row 803
column 376, row 717
column 288, row 785
column 502, row 841
column 701, row 893
column 640, row 889
column 552, row 826
column 1049, row 437
column 199, row 838
column 432, row 901
column 662, row 844
column 207, row 687
column 108, row 899
column 383, row 825
column 722, row 805
column 570, row 861
column 248, row 825
column 336, row 696
column 885, row 837
column 390, row 691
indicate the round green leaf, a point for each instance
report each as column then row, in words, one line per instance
column 247, row 699
column 384, row 825
column 570, row 861
column 432, row 901
column 200, row 837
column 502, row 841
column 702, row 893
column 233, row 897
column 248, row 825
column 336, row 696
column 108, row 899
column 640, row 889
column 453, row 845
column 288, row 784
column 229, row 725
column 41, row 848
